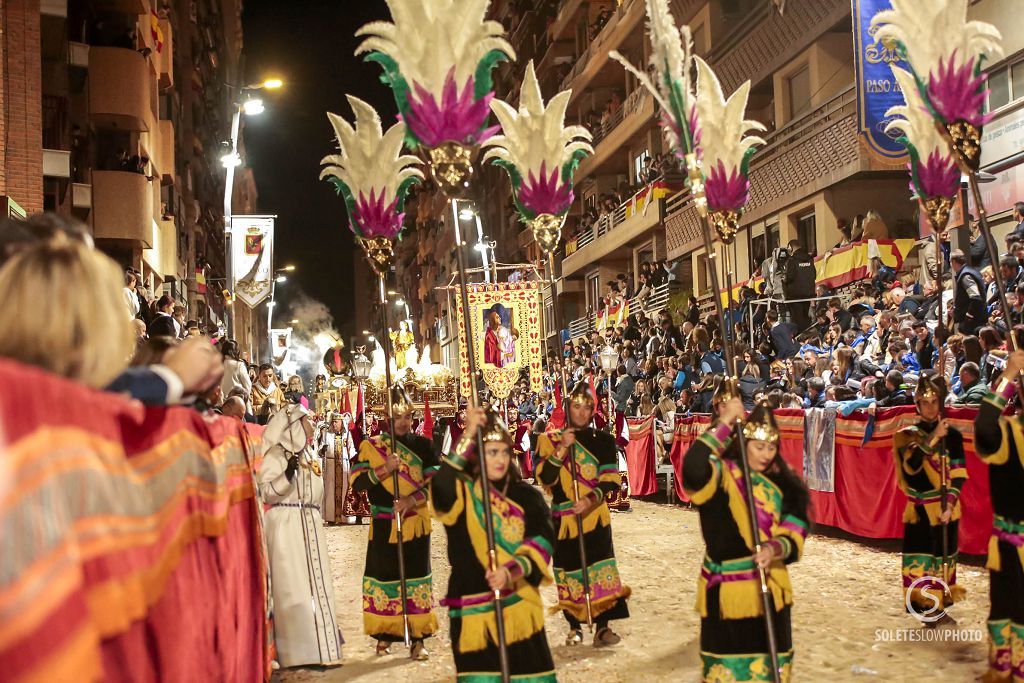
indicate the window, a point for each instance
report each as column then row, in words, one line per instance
column 1006, row 85
column 773, row 237
column 757, row 251
column 703, row 275
column 799, row 90
column 999, row 89
column 807, row 233
column 594, row 291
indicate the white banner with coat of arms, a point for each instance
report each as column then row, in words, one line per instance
column 252, row 256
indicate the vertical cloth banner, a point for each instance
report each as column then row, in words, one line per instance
column 505, row 322
column 819, row 449
column 252, row 258
column 877, row 89
column 640, row 457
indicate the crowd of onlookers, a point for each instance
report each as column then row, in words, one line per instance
column 655, row 168
column 863, row 347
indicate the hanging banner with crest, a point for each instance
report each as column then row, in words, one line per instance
column 252, row 255
column 877, row 89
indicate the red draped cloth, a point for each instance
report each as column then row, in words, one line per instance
column 132, row 539
column 640, row 456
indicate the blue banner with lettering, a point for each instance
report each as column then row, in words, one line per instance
column 877, row 89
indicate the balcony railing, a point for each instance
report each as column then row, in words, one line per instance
column 597, row 44
column 655, row 301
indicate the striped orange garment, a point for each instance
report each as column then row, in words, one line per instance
column 130, row 540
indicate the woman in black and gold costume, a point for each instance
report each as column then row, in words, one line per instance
column 524, row 537
column 733, row 641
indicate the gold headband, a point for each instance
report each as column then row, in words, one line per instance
column 760, row 431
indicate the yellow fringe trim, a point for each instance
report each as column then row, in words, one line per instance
column 994, row 562
column 597, row 607
column 932, row 596
column 420, row 625
column 522, row 620
column 742, row 599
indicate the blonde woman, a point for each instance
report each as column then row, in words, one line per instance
column 89, row 339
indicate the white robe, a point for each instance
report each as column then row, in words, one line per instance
column 305, row 627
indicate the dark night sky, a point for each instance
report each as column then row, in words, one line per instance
column 310, row 45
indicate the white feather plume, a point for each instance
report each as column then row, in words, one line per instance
column 534, row 135
column 933, row 31
column 723, row 136
column 369, row 159
column 428, row 38
column 915, row 120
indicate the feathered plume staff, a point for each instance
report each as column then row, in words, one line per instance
column 945, row 53
column 934, row 176
column 373, row 176
column 539, row 152
column 437, row 57
column 709, row 133
column 670, row 56
column 724, row 149
column 705, row 129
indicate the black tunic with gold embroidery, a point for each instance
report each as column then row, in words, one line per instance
column 597, row 472
column 524, row 537
column 999, row 441
column 918, row 474
column 733, row 642
column 382, row 603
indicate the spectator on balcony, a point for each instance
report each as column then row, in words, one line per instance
column 846, row 232
column 625, row 285
column 645, row 288
column 693, row 312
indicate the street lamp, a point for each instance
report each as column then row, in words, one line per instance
column 609, row 361
column 281, row 278
column 252, row 106
column 360, row 373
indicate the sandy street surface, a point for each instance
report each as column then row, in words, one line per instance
column 845, row 592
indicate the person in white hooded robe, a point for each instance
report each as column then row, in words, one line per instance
column 291, row 484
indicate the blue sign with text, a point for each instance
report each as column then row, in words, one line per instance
column 877, row 89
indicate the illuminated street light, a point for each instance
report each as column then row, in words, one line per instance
column 281, row 278
column 273, row 83
column 287, row 269
column 253, row 107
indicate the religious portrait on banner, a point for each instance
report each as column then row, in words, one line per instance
column 505, row 320
column 500, row 337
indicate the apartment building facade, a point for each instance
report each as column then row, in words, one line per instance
column 120, row 123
